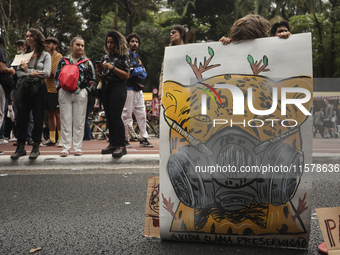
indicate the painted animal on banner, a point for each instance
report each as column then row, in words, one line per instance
column 207, row 138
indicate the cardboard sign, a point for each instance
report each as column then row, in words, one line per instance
column 236, row 134
column 151, row 226
column 22, row 59
column 329, row 221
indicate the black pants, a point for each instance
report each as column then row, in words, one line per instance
column 36, row 103
column 113, row 97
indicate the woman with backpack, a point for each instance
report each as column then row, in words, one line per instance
column 31, row 93
column 73, row 94
column 114, row 70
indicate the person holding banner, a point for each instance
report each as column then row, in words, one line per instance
column 31, row 92
column 280, row 29
column 177, row 37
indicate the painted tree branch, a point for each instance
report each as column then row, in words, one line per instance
column 202, row 67
column 169, row 206
column 301, row 207
column 256, row 67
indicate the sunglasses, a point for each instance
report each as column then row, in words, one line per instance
column 282, row 30
column 173, row 32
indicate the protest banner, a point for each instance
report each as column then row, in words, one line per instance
column 236, row 134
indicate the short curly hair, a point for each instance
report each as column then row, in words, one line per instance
column 39, row 40
column 249, row 27
column 133, row 35
column 121, row 48
column 278, row 24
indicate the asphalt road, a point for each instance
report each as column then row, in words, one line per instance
column 102, row 212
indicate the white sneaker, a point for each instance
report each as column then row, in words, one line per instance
column 3, row 141
column 59, row 143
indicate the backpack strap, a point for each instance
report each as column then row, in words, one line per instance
column 81, row 61
column 66, row 61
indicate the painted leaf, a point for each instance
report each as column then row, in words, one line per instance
column 188, row 59
column 211, row 52
column 265, row 60
column 250, row 59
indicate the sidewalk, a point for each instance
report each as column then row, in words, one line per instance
column 92, row 158
column 325, row 151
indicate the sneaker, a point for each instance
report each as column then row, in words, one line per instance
column 134, row 140
column 119, row 152
column 59, row 144
column 3, row 141
column 109, row 149
column 145, row 143
column 2, row 152
column 48, row 143
column 127, row 145
column 12, row 139
column 100, row 137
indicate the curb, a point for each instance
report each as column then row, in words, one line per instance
column 86, row 161
column 326, row 158
column 130, row 161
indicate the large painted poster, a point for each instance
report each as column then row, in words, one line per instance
column 236, row 134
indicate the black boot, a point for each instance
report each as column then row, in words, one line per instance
column 35, row 151
column 20, row 151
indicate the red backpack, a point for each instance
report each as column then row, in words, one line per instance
column 69, row 75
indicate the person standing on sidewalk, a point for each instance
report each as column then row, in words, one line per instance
column 73, row 104
column 52, row 106
column 318, row 122
column 114, row 70
column 135, row 100
column 328, row 126
column 3, row 70
column 32, row 92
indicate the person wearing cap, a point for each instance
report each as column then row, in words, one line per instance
column 52, row 104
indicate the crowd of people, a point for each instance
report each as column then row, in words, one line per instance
column 325, row 120
column 39, row 86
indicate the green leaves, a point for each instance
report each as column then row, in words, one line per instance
column 250, row 59
column 188, row 60
column 211, row 52
column 265, row 60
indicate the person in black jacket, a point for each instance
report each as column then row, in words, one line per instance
column 114, row 70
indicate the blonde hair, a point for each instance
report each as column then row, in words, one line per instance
column 250, row 27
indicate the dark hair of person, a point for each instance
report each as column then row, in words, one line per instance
column 181, row 30
column 39, row 41
column 133, row 35
column 249, row 27
column 119, row 41
column 278, row 24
